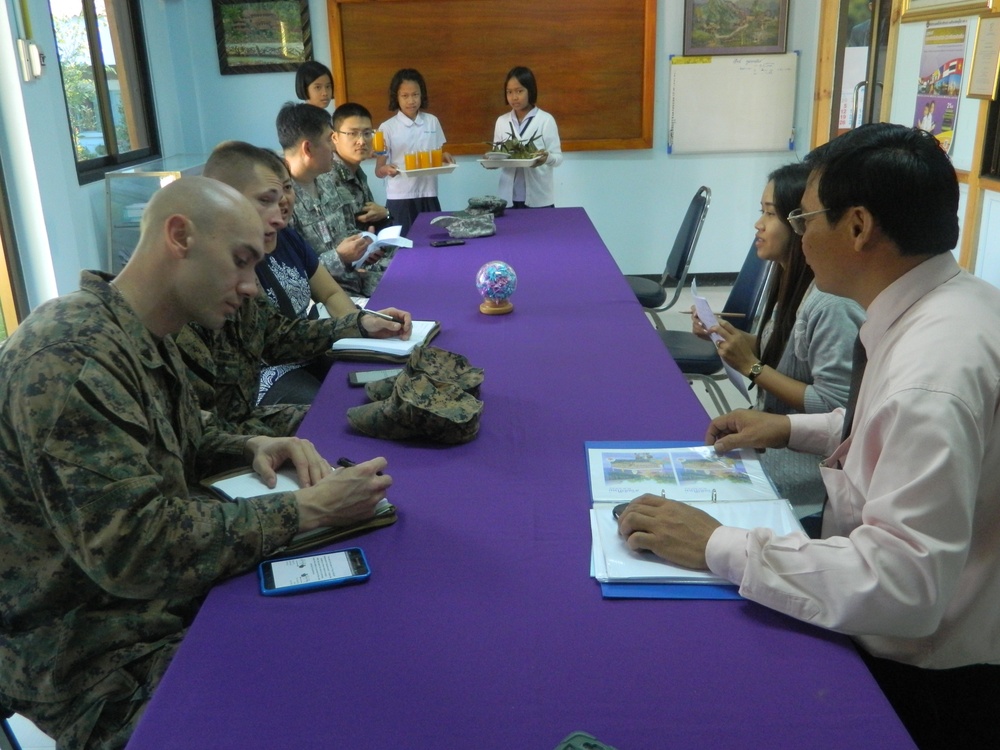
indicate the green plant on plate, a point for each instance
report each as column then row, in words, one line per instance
column 515, row 147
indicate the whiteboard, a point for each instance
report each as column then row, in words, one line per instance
column 732, row 103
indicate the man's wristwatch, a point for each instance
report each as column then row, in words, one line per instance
column 755, row 369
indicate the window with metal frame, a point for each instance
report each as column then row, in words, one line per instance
column 105, row 75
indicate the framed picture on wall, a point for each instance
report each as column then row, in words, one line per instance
column 738, row 27
column 925, row 10
column 261, row 36
column 985, row 60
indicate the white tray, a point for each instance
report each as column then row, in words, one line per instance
column 443, row 169
column 501, row 163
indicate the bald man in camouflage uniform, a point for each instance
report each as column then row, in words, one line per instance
column 106, row 546
column 225, row 365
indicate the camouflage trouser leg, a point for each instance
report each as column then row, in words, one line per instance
column 104, row 716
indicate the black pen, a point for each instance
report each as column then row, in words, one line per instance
column 345, row 463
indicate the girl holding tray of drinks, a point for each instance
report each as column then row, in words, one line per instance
column 531, row 187
column 412, row 138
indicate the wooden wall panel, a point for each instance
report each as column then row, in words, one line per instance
column 593, row 59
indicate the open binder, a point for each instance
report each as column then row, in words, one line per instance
column 732, row 488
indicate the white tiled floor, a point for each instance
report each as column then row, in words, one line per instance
column 31, row 738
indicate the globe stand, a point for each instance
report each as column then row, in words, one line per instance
column 496, row 307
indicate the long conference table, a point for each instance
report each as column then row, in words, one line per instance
column 480, row 626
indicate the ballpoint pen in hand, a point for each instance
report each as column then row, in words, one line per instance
column 718, row 315
column 382, row 315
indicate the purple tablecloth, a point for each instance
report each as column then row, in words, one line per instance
column 480, row 626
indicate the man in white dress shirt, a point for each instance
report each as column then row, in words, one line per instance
column 909, row 562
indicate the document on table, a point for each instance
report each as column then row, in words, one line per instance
column 708, row 319
column 613, row 561
column 732, row 488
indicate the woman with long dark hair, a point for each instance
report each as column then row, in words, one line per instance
column 800, row 361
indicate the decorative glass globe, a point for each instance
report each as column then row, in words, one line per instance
column 496, row 282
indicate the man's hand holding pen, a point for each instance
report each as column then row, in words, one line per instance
column 382, row 324
column 345, row 496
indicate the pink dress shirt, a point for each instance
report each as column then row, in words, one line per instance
column 910, row 560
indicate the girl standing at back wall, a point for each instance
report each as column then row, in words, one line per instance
column 314, row 84
column 528, row 187
column 411, row 130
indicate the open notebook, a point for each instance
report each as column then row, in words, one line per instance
column 244, row 483
column 392, row 349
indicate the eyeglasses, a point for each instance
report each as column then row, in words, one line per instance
column 798, row 219
column 358, row 135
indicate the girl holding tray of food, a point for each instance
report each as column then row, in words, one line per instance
column 527, row 127
column 410, row 131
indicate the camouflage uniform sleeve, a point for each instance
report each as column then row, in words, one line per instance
column 289, row 340
column 109, row 466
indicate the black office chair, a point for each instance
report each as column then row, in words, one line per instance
column 652, row 295
column 698, row 358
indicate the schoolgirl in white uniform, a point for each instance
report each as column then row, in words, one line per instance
column 411, row 130
column 528, row 187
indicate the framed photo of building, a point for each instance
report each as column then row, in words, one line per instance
column 738, row 27
column 262, row 36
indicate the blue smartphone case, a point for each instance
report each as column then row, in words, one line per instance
column 355, row 554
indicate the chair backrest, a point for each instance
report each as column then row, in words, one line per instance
column 685, row 242
column 747, row 295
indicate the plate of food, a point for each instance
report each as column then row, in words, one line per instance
column 443, row 169
column 510, row 163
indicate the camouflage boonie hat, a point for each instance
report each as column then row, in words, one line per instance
column 420, row 408
column 491, row 203
column 468, row 225
column 438, row 364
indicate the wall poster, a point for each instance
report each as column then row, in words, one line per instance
column 939, row 86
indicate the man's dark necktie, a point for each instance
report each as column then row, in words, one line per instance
column 813, row 525
column 857, row 373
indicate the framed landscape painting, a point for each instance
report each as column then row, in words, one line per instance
column 262, row 36
column 735, row 27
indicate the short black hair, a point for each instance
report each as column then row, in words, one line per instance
column 306, row 73
column 233, row 163
column 349, row 109
column 526, row 78
column 300, row 121
column 406, row 74
column 901, row 175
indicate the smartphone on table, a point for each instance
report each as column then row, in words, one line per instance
column 294, row 575
column 367, row 376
